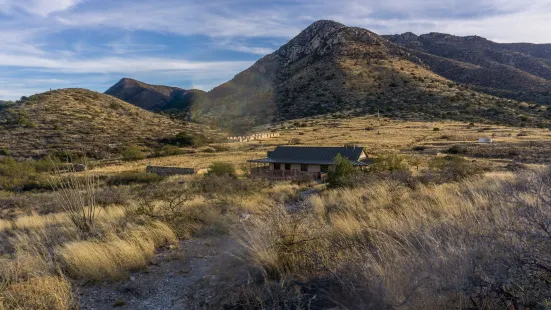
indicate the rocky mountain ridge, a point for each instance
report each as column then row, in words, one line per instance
column 330, row 68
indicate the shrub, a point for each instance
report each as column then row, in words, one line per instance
column 457, row 149
column 132, row 152
column 343, row 172
column 78, row 198
column 184, row 139
column 131, row 177
column 454, row 168
column 419, row 148
column 295, row 141
column 436, row 129
column 168, row 150
column 222, row 169
column 23, row 175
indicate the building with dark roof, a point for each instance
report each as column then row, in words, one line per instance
column 304, row 161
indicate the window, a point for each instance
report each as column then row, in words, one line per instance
column 303, row 167
column 277, row 166
column 324, row 168
column 287, row 166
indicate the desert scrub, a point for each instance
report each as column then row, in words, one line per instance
column 40, row 293
column 386, row 245
column 115, row 256
column 132, row 152
column 222, row 169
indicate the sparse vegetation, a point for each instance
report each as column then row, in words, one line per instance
column 222, row 169
column 132, row 152
column 423, row 213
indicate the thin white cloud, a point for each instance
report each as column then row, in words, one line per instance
column 234, row 45
column 37, row 7
column 117, row 64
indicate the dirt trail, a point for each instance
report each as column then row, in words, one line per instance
column 192, row 276
column 182, row 278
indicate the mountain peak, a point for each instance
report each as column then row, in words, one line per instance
column 324, row 24
column 152, row 97
column 309, row 40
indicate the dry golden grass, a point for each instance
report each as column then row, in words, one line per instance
column 40, row 293
column 36, row 221
column 5, row 225
column 391, row 245
column 113, row 258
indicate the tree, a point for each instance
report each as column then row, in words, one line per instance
column 343, row 172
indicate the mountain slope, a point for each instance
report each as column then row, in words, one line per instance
column 154, row 97
column 518, row 71
column 330, row 67
column 81, row 122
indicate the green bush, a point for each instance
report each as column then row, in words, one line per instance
column 454, row 168
column 222, row 169
column 16, row 175
column 132, row 152
column 131, row 177
column 343, row 172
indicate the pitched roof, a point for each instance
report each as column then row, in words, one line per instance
column 320, row 155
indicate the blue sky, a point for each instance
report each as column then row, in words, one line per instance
column 199, row 44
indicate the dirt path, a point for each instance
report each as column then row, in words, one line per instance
column 183, row 278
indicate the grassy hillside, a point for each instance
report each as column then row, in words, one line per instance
column 81, row 122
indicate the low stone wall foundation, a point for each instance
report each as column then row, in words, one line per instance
column 168, row 171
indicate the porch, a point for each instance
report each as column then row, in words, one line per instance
column 294, row 174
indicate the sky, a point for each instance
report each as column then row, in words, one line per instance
column 52, row 44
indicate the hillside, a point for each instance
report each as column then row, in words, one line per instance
column 518, row 71
column 330, row 67
column 81, row 122
column 155, row 97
